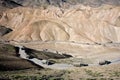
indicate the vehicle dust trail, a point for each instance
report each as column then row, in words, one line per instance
column 53, row 66
column 116, row 61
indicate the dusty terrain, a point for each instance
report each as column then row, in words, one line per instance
column 80, row 23
column 81, row 31
column 110, row 72
column 88, row 30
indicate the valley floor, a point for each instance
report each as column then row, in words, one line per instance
column 103, row 72
column 107, row 72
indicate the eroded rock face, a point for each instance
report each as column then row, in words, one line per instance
column 80, row 23
column 78, row 27
column 58, row 3
column 9, row 61
column 4, row 30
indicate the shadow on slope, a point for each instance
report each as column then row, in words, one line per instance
column 9, row 60
column 4, row 30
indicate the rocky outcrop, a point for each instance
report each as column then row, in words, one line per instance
column 4, row 30
column 58, row 3
column 9, row 60
column 9, row 4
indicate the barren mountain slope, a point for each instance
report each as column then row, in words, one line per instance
column 79, row 24
column 78, row 27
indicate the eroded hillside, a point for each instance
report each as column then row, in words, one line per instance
column 78, row 27
column 80, row 36
column 79, row 24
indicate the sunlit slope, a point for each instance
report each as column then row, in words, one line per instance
column 79, row 24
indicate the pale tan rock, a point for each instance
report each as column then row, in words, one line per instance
column 80, row 23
